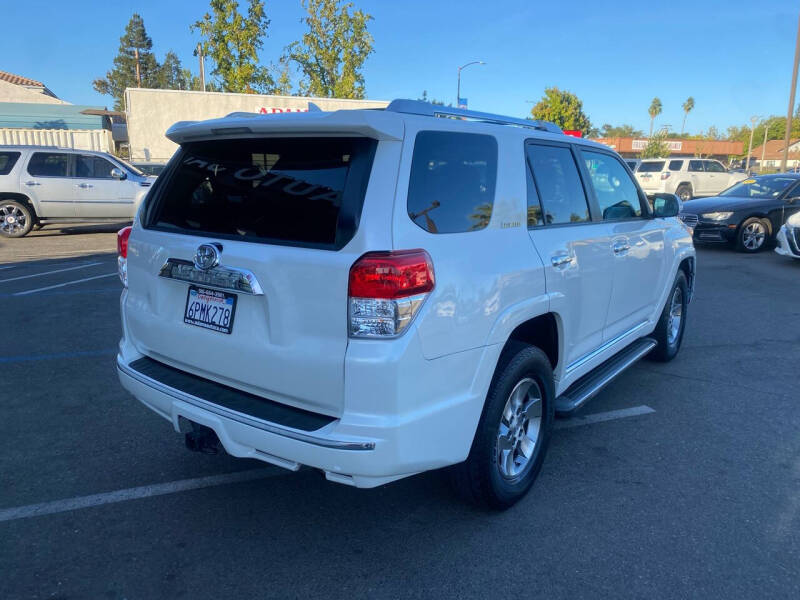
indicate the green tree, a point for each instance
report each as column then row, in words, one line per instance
column 656, row 146
column 123, row 75
column 564, row 109
column 609, row 131
column 654, row 111
column 687, row 108
column 433, row 101
column 331, row 54
column 172, row 75
column 232, row 41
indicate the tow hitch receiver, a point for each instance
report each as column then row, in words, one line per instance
column 203, row 439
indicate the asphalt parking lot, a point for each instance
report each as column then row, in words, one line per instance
column 679, row 480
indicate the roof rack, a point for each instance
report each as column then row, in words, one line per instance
column 419, row 107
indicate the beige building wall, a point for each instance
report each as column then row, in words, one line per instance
column 151, row 112
column 79, row 139
column 11, row 92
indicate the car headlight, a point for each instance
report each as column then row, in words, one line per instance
column 717, row 216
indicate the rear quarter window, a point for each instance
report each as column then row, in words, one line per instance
column 7, row 161
column 675, row 165
column 287, row 191
column 452, row 181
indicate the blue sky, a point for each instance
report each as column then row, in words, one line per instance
column 734, row 57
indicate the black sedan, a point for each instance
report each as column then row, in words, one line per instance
column 748, row 214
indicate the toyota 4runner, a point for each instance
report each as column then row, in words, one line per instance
column 377, row 293
column 686, row 177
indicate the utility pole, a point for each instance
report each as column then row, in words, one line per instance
column 763, row 148
column 788, row 135
column 202, row 66
column 138, row 72
column 753, row 120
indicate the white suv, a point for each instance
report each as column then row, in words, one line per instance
column 376, row 293
column 41, row 185
column 686, row 177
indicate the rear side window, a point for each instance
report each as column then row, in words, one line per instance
column 558, row 183
column 651, row 167
column 713, row 166
column 49, row 164
column 452, row 181
column 675, row 165
column 696, row 165
column 7, row 161
column 289, row 191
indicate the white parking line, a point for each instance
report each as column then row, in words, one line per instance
column 172, row 487
column 622, row 413
column 8, row 267
column 145, row 491
column 50, row 272
column 58, row 285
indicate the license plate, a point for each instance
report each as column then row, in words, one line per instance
column 210, row 309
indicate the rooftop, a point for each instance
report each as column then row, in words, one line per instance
column 19, row 80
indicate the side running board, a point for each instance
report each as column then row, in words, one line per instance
column 590, row 384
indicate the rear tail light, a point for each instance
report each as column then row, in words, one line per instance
column 665, row 175
column 122, row 254
column 386, row 290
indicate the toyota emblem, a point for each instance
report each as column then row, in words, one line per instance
column 206, row 257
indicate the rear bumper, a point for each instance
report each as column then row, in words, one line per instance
column 787, row 243
column 356, row 449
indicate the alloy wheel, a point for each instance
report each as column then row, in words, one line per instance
column 12, row 219
column 754, row 235
column 519, row 429
column 675, row 316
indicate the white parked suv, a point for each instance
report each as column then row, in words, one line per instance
column 686, row 177
column 377, row 293
column 41, row 185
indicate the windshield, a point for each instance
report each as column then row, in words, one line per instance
column 650, row 167
column 130, row 167
column 760, row 187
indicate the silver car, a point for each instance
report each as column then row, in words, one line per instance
column 41, row 185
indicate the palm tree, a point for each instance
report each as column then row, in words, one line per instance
column 654, row 110
column 687, row 108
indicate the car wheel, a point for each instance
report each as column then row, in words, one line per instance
column 16, row 219
column 514, row 431
column 752, row 236
column 684, row 192
column 669, row 330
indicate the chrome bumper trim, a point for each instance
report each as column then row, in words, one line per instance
column 241, row 418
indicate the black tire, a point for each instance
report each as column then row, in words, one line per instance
column 684, row 192
column 480, row 479
column 16, row 219
column 668, row 343
column 747, row 239
column 37, row 226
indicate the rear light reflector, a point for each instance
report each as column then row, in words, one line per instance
column 665, row 175
column 122, row 254
column 386, row 290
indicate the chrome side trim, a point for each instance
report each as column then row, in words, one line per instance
column 594, row 353
column 230, row 279
column 241, row 418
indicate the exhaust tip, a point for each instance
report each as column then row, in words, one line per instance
column 203, row 439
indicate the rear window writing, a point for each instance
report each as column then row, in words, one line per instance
column 7, row 161
column 291, row 191
column 651, row 167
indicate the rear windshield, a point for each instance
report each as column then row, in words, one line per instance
column 650, row 167
column 289, row 191
column 7, row 161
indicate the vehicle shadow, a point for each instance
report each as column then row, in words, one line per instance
column 78, row 229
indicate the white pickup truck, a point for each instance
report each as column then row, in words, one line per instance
column 376, row 293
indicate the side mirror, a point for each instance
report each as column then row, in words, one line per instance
column 118, row 174
column 666, row 205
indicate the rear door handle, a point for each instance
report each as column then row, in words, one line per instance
column 621, row 247
column 32, row 183
column 562, row 259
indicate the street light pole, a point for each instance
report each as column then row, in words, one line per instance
column 787, row 136
column 461, row 68
column 753, row 120
column 763, row 148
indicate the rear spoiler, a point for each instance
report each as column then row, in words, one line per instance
column 376, row 124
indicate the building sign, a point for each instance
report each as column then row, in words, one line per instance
column 268, row 110
column 673, row 146
column 462, row 103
